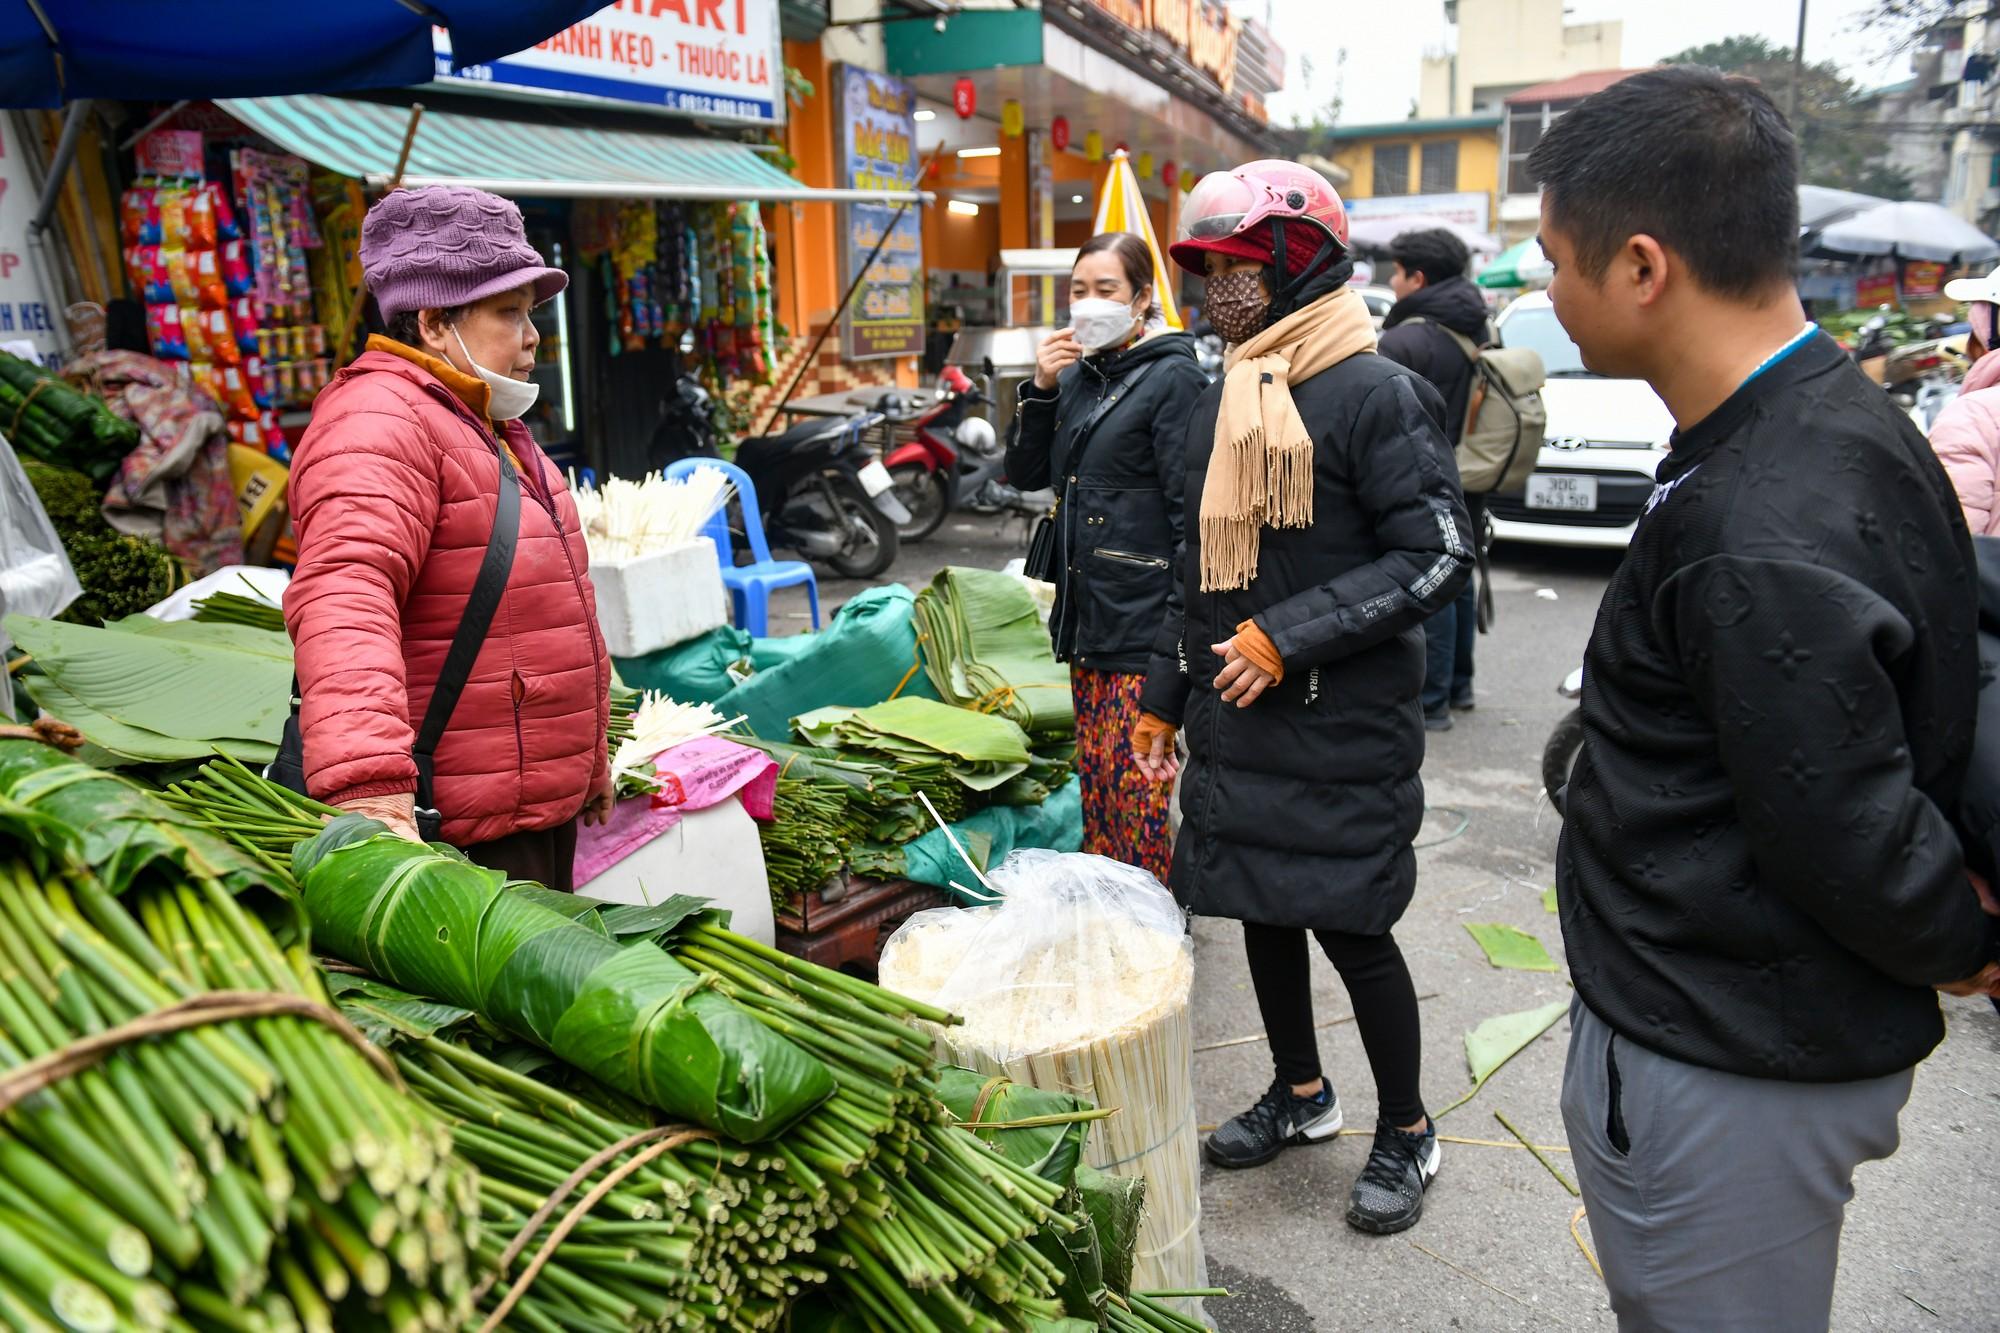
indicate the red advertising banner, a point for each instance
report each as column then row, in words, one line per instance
column 1878, row 289
column 1922, row 279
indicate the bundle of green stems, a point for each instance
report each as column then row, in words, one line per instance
column 247, row 1175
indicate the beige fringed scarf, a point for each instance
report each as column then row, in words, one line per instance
column 1262, row 469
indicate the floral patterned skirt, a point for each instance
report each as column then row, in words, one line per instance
column 1124, row 815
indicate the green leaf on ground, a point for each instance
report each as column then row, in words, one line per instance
column 1504, row 1036
column 1549, row 899
column 1510, row 946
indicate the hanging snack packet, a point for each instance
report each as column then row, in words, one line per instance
column 208, row 282
column 135, row 207
column 200, row 217
column 221, row 338
column 236, row 275
column 163, row 329
column 193, row 336
column 173, row 217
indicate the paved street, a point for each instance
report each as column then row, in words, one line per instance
column 1494, row 1250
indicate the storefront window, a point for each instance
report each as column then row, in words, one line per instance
column 1392, row 168
column 1440, row 168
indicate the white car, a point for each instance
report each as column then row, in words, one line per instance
column 1605, row 441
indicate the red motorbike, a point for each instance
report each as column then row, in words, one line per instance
column 950, row 453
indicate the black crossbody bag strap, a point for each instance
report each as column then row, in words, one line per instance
column 1104, row 405
column 487, row 589
column 1044, row 551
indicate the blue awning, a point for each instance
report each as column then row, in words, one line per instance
column 522, row 159
column 54, row 51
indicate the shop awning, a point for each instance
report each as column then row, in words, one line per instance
column 523, row 158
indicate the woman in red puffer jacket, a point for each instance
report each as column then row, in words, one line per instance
column 394, row 489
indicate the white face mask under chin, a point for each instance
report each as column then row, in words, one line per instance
column 1101, row 323
column 511, row 398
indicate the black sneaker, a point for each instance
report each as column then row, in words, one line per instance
column 1437, row 719
column 1389, row 1196
column 1278, row 1120
column 1463, row 703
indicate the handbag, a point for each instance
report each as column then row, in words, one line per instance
column 288, row 768
column 1044, row 550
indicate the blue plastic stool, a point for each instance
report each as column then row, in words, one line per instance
column 750, row 586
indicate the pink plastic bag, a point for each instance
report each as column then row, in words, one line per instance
column 702, row 773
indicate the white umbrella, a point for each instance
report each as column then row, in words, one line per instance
column 1821, row 206
column 1908, row 231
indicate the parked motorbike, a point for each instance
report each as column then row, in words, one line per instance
column 1565, row 742
column 820, row 489
column 955, row 461
column 926, row 467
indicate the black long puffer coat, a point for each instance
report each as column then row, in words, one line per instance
column 1300, row 810
column 1119, row 520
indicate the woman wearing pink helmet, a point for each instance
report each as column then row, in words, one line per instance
column 1330, row 528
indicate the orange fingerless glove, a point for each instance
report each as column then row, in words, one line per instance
column 1149, row 729
column 1256, row 645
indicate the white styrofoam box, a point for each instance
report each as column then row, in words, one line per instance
column 713, row 854
column 659, row 600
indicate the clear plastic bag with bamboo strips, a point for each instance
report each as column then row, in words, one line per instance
column 1076, row 979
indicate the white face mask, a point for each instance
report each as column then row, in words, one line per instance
column 511, row 397
column 1100, row 323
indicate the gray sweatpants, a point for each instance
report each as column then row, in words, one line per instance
column 1716, row 1200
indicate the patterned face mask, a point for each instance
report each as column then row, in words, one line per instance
column 1237, row 306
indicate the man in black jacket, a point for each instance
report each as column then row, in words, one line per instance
column 1759, row 883
column 1438, row 317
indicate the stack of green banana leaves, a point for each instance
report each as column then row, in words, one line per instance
column 984, row 647
column 150, row 691
column 120, row 573
column 49, row 420
column 938, row 747
column 231, row 608
column 190, row 1136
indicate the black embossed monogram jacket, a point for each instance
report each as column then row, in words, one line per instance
column 1758, row 871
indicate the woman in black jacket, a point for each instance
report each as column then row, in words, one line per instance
column 1103, row 424
column 1325, row 526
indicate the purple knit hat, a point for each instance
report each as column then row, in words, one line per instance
column 445, row 245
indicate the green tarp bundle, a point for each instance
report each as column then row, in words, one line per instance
column 867, row 655
column 634, row 1018
column 985, row 648
column 45, row 418
column 989, row 836
column 695, row 672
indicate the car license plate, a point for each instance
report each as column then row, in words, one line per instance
column 875, row 479
column 1576, row 494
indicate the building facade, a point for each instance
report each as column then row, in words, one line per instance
column 1501, row 47
column 1447, row 168
column 1526, row 117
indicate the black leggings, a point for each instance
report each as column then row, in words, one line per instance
column 1385, row 1009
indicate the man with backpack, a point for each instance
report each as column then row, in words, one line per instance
column 1436, row 329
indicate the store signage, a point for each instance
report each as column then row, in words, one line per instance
column 1875, row 290
column 1200, row 30
column 876, row 149
column 27, row 320
column 718, row 59
column 1921, row 278
column 169, row 153
column 1471, row 209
